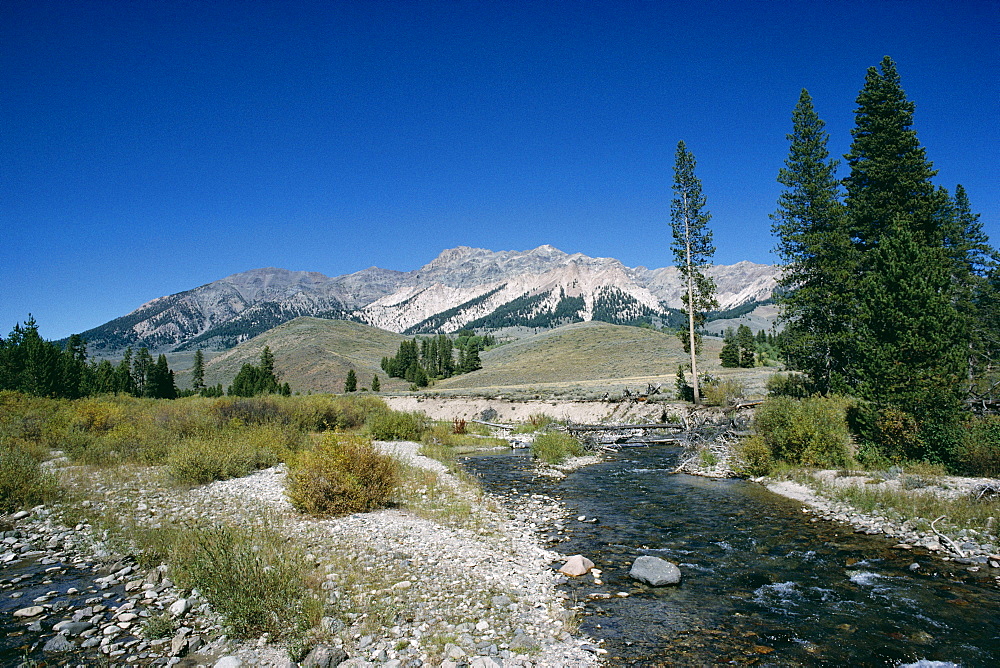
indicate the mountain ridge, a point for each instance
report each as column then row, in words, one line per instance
column 543, row 286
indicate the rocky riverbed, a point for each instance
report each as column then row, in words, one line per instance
column 967, row 547
column 433, row 592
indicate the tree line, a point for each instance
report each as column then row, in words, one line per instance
column 34, row 366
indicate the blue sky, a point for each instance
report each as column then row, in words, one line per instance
column 151, row 147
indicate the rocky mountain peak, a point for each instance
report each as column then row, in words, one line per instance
column 462, row 286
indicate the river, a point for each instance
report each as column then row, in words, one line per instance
column 763, row 584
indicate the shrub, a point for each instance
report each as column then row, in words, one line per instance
column 555, row 447
column 806, row 431
column 135, row 441
column 754, row 456
column 979, row 452
column 159, row 626
column 23, row 482
column 98, row 414
column 396, row 426
column 536, row 422
column 231, row 453
column 249, row 410
column 327, row 413
column 253, row 577
column 343, row 474
column 788, row 385
column 722, row 392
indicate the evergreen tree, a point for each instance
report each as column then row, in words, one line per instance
column 104, row 380
column 471, row 358
column 198, row 372
column 160, row 380
column 912, row 339
column 376, row 385
column 124, row 383
column 730, row 353
column 351, row 384
column 814, row 243
column 974, row 263
column 41, row 376
column 692, row 248
column 73, row 367
column 141, row 365
column 747, row 347
column 247, row 382
column 267, row 364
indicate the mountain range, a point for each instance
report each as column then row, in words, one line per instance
column 462, row 287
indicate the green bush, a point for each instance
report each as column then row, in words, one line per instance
column 231, row 453
column 788, row 385
column 555, row 447
column 159, row 626
column 722, row 392
column 754, row 456
column 396, row 426
column 343, row 474
column 979, row 452
column 809, row 431
column 536, row 422
column 328, row 412
column 254, row 577
column 23, row 482
column 250, row 410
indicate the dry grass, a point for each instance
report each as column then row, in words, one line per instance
column 313, row 355
column 585, row 360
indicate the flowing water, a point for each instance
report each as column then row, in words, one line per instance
column 762, row 583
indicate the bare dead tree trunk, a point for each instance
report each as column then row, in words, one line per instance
column 690, row 304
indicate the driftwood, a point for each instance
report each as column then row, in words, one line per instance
column 620, row 427
column 494, row 425
column 951, row 544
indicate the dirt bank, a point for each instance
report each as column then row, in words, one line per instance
column 512, row 411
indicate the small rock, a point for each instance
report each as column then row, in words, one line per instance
column 454, row 652
column 58, row 645
column 485, row 662
column 324, row 656
column 180, row 607
column 179, row 643
column 576, row 565
column 30, row 611
column 228, row 662
column 655, row 571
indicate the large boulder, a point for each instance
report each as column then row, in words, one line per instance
column 655, row 571
column 576, row 565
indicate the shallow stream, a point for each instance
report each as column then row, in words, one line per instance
column 763, row 584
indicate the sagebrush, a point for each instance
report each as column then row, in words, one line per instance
column 343, row 474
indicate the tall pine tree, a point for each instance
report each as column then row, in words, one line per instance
column 912, row 338
column 692, row 248
column 198, row 371
column 815, row 246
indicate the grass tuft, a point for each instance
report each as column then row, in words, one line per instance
column 555, row 447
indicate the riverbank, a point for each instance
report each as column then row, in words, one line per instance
column 827, row 494
column 514, row 411
column 455, row 577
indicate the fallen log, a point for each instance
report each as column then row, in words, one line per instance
column 493, row 424
column 619, row 427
